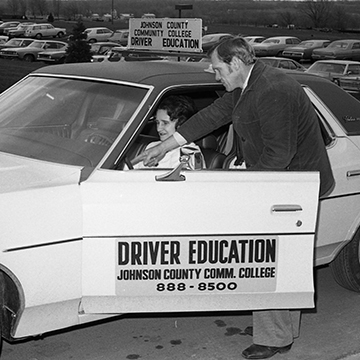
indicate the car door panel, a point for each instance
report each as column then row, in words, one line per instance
column 215, row 241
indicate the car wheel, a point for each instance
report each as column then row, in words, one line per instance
column 346, row 266
column 29, row 58
column 92, row 41
column 38, row 36
column 60, row 34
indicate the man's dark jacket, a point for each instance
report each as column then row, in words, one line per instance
column 275, row 121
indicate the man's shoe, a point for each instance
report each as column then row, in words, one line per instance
column 263, row 352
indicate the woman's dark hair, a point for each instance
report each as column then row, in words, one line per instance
column 179, row 108
column 234, row 46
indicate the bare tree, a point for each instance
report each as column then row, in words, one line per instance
column 287, row 17
column 319, row 11
column 13, row 6
column 340, row 17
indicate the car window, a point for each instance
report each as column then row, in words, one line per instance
column 356, row 46
column 72, row 122
column 354, row 69
column 202, row 98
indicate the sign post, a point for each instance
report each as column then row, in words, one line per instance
column 183, row 7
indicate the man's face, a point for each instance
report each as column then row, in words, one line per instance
column 226, row 73
column 164, row 126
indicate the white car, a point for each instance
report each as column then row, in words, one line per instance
column 274, row 46
column 39, row 31
column 98, row 34
column 85, row 236
column 254, row 39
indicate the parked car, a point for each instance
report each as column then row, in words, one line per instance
column 81, row 254
column 101, row 48
column 98, row 34
column 8, row 25
column 350, row 83
column 209, row 40
column 16, row 43
column 30, row 52
column 282, row 63
column 254, row 39
column 339, row 50
column 120, row 36
column 19, row 31
column 39, row 31
column 332, row 69
column 3, row 39
column 53, row 56
column 304, row 50
column 274, row 46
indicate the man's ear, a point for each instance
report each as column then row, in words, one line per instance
column 236, row 63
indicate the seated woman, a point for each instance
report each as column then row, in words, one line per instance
column 172, row 112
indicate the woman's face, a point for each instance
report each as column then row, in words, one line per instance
column 164, row 126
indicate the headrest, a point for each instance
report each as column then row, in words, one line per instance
column 208, row 142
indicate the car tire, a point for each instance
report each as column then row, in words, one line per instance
column 92, row 41
column 60, row 34
column 346, row 266
column 38, row 36
column 29, row 58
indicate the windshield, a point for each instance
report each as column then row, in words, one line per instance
column 65, row 121
column 37, row 44
column 271, row 41
column 327, row 67
column 338, row 45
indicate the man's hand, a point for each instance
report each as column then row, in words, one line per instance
column 150, row 157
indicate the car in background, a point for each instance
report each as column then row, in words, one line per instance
column 120, row 36
column 123, row 53
column 30, row 52
column 282, row 63
column 348, row 49
column 68, row 134
column 209, row 40
column 101, row 48
column 19, row 31
column 350, row 83
column 16, row 43
column 254, row 39
column 98, row 34
column 53, row 56
column 8, row 25
column 303, row 51
column 3, row 39
column 39, row 31
column 274, row 46
column 332, row 69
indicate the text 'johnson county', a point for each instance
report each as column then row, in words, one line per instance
column 197, row 252
column 175, row 34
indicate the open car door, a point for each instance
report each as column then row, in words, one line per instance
column 213, row 240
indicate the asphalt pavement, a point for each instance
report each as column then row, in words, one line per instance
column 331, row 331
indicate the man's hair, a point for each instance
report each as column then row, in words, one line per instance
column 234, row 46
column 179, row 108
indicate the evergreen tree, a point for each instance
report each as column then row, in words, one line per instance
column 50, row 18
column 78, row 49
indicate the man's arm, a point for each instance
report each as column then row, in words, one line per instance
column 152, row 156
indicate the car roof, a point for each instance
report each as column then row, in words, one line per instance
column 157, row 73
column 337, row 61
column 282, row 37
column 97, row 28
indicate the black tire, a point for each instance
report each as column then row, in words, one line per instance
column 92, row 41
column 38, row 36
column 60, row 34
column 346, row 266
column 29, row 58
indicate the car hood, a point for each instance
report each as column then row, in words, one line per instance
column 19, row 173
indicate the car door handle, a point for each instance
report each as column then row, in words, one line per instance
column 286, row 208
column 352, row 173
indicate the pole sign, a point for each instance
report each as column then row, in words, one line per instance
column 166, row 34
